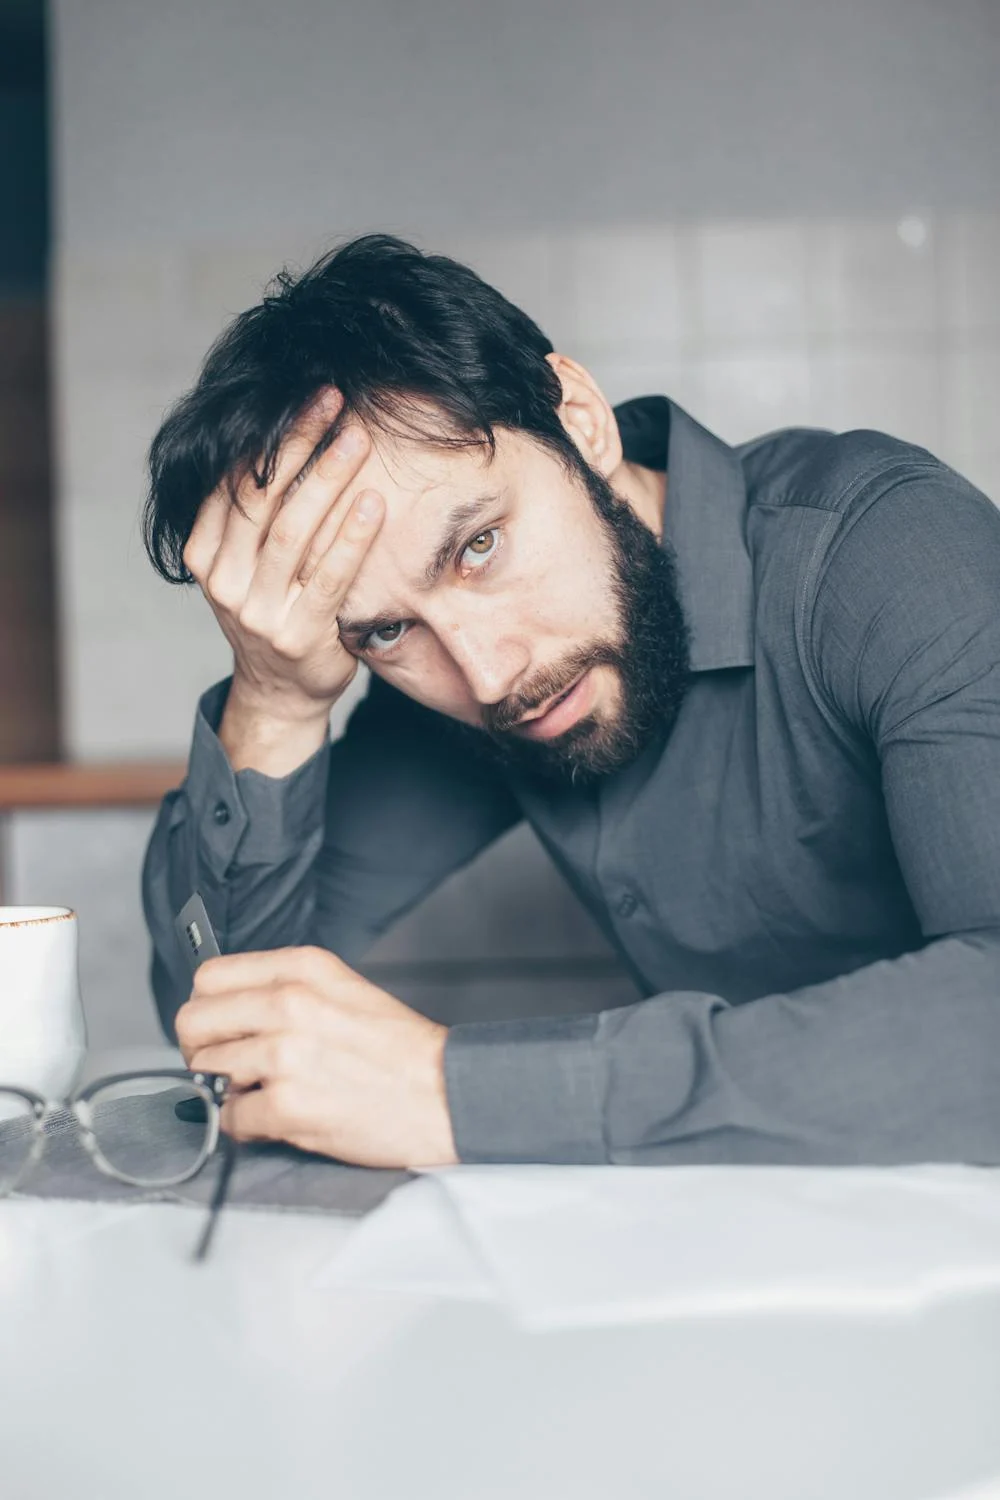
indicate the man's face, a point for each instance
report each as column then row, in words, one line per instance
column 520, row 600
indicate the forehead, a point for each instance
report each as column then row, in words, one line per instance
column 422, row 485
column 419, row 482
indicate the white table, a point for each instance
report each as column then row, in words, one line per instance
column 129, row 1373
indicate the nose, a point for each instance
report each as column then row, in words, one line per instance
column 490, row 659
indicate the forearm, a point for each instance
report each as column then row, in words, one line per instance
column 898, row 1062
column 247, row 842
column 330, row 854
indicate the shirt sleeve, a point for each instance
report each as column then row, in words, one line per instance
column 331, row 854
column 898, row 1061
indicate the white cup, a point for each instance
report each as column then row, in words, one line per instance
column 43, row 1037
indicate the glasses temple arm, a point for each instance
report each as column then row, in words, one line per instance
column 218, row 1197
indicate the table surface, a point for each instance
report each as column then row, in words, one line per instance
column 128, row 1370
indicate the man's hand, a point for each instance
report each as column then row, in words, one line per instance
column 275, row 569
column 342, row 1067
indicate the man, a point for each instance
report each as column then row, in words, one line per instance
column 748, row 698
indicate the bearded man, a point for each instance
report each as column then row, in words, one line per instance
column 748, row 698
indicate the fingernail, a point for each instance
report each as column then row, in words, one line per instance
column 350, row 442
column 369, row 506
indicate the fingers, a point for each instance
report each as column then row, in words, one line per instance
column 252, row 1060
column 249, row 971
column 222, row 550
column 337, row 569
column 206, row 535
column 207, row 1021
column 288, row 552
column 258, row 1114
column 333, row 512
column 235, row 997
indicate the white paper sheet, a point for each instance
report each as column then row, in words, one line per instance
column 581, row 1246
column 414, row 1242
column 588, row 1245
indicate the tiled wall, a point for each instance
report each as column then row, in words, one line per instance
column 892, row 323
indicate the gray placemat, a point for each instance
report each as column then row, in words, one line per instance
column 266, row 1176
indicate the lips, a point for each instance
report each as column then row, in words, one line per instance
column 560, row 713
column 547, row 706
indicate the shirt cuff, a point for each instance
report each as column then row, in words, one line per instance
column 526, row 1091
column 244, row 817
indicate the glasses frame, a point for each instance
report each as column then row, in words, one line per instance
column 212, row 1089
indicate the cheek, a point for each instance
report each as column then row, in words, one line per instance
column 564, row 593
column 430, row 677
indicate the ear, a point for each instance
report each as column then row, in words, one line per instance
column 586, row 415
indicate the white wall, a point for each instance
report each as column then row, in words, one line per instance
column 700, row 196
column 203, row 119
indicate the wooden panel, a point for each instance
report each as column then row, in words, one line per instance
column 138, row 784
column 29, row 727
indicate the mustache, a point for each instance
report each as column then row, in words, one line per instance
column 500, row 718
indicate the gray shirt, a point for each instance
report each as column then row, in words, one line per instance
column 803, row 877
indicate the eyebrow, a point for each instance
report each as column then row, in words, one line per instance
column 456, row 525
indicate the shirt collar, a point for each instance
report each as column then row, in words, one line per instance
column 704, row 521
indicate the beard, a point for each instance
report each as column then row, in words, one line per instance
column 649, row 658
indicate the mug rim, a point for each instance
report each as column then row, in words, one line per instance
column 35, row 916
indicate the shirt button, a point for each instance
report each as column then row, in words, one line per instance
column 627, row 905
column 221, row 814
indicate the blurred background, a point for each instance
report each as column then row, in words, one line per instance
column 776, row 211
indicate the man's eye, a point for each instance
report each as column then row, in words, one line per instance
column 481, row 548
column 384, row 637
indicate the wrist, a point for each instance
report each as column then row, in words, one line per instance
column 280, row 704
column 439, row 1141
column 271, row 733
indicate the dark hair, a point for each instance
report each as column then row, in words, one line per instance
column 417, row 344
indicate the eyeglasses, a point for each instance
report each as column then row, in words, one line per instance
column 151, row 1130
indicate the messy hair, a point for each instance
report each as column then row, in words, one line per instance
column 418, row 346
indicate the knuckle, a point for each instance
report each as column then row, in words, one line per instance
column 285, row 1053
column 221, row 590
column 292, row 1004
column 289, row 645
column 251, row 622
column 192, row 559
column 327, row 582
column 210, row 973
column 281, row 536
column 317, row 964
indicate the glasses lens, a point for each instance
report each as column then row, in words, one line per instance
column 141, row 1132
column 18, row 1132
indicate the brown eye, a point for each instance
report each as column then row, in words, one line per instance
column 481, row 548
column 384, row 638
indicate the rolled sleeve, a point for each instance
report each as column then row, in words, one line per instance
column 244, row 818
column 526, row 1090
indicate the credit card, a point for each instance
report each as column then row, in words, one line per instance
column 194, row 930
column 199, row 942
